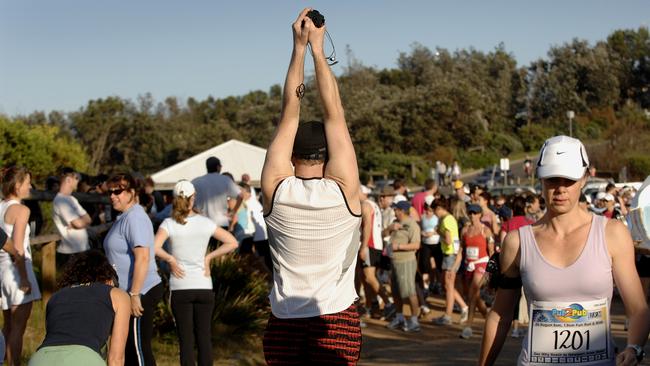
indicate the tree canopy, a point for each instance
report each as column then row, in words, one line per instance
column 434, row 105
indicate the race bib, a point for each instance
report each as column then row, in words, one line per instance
column 471, row 253
column 569, row 332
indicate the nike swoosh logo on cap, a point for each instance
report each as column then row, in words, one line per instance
column 560, row 152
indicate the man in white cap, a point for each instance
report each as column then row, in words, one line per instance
column 310, row 184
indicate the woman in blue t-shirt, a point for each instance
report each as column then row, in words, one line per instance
column 192, row 298
column 130, row 250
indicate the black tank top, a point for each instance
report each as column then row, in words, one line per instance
column 79, row 315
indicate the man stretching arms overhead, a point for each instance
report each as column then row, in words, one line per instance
column 310, row 185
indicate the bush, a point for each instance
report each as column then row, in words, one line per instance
column 241, row 302
column 40, row 148
column 639, row 166
column 478, row 159
column 241, row 294
column 533, row 136
column 504, row 144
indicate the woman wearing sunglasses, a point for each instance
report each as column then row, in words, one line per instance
column 129, row 246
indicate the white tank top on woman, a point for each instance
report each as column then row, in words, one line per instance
column 314, row 240
column 9, row 229
column 9, row 276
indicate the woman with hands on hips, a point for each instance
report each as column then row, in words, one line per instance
column 192, row 298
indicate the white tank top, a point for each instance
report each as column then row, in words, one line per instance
column 314, row 240
column 9, row 229
column 377, row 239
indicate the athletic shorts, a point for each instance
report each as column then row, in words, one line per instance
column 70, row 355
column 448, row 262
column 403, row 278
column 374, row 258
column 643, row 266
column 332, row 339
column 479, row 269
column 425, row 254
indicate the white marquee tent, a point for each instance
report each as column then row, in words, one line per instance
column 236, row 158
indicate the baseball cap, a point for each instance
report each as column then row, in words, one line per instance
column 600, row 196
column 310, row 142
column 505, row 212
column 562, row 156
column 458, row 184
column 472, row 208
column 402, row 205
column 387, row 191
column 608, row 197
column 365, row 190
column 184, row 188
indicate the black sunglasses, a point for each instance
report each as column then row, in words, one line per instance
column 116, row 191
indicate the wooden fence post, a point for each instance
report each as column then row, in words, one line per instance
column 47, row 244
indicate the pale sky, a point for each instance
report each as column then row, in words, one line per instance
column 57, row 55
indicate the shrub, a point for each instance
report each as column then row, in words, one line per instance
column 638, row 166
column 241, row 302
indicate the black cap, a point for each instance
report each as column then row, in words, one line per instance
column 473, row 208
column 310, row 142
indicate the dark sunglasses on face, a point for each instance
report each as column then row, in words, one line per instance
column 116, row 191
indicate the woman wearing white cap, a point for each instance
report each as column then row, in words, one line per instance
column 192, row 298
column 567, row 262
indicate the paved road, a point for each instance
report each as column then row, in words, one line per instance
column 436, row 345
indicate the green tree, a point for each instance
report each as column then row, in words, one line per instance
column 41, row 148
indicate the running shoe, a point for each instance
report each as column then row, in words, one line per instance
column 442, row 320
column 466, row 333
column 464, row 314
column 412, row 325
column 389, row 310
column 424, row 310
column 395, row 323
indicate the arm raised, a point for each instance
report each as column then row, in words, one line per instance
column 277, row 164
column 342, row 164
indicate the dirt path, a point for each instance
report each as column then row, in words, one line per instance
column 436, row 345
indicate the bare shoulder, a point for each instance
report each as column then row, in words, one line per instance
column 119, row 298
column 618, row 238
column 17, row 212
column 616, row 227
column 510, row 251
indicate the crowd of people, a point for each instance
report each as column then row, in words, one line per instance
column 321, row 233
column 186, row 238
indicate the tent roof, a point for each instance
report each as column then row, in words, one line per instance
column 236, row 158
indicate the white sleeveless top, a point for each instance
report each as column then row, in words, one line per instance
column 314, row 240
column 377, row 239
column 9, row 229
